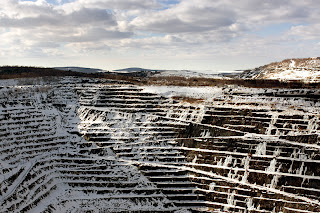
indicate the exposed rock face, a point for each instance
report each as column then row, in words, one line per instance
column 76, row 145
column 306, row 69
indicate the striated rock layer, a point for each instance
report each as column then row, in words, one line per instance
column 82, row 145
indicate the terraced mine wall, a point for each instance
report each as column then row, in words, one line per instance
column 86, row 145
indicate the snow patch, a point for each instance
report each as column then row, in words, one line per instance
column 193, row 92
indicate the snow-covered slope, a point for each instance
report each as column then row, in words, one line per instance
column 171, row 73
column 84, row 145
column 306, row 69
column 188, row 74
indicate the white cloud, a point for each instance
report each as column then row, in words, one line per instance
column 182, row 29
column 188, row 16
column 43, row 27
column 305, row 32
column 56, row 18
column 112, row 4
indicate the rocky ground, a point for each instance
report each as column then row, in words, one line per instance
column 76, row 144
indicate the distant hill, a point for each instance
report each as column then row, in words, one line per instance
column 10, row 72
column 305, row 69
column 173, row 77
column 134, row 69
column 80, row 69
column 142, row 72
column 187, row 74
column 136, row 72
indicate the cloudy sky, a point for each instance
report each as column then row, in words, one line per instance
column 158, row 34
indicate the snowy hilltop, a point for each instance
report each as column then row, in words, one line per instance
column 305, row 69
column 142, row 72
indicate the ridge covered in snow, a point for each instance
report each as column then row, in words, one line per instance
column 305, row 69
column 171, row 73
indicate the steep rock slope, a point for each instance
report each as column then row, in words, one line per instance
column 306, row 69
column 46, row 167
column 81, row 145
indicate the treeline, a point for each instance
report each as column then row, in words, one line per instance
column 9, row 72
